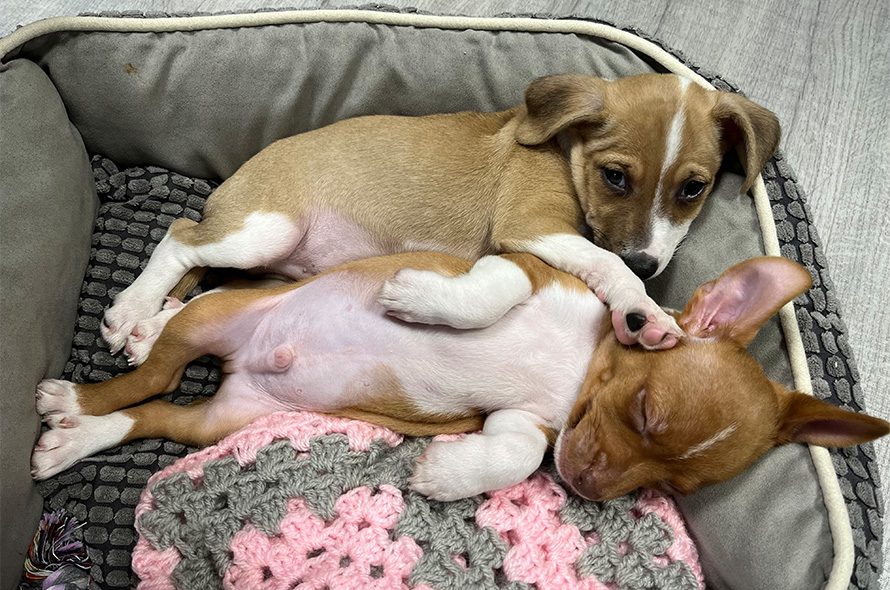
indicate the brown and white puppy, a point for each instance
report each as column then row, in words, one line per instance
column 631, row 159
column 508, row 345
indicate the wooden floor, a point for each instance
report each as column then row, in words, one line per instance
column 822, row 65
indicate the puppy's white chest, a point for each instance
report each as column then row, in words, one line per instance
column 535, row 359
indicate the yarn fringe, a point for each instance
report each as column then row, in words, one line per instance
column 57, row 560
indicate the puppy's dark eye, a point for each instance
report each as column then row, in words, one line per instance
column 692, row 190
column 615, row 178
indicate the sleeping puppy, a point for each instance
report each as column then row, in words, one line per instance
column 627, row 162
column 426, row 343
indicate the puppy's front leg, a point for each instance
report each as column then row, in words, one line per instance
column 509, row 449
column 475, row 299
column 635, row 316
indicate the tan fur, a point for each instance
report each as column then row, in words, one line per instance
column 416, row 425
column 541, row 274
column 480, row 183
column 388, row 404
column 189, row 424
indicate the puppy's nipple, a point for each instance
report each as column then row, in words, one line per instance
column 282, row 358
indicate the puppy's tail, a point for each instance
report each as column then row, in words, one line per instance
column 188, row 282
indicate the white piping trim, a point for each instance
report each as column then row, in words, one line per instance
column 224, row 21
column 838, row 518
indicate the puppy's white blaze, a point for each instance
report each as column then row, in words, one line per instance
column 674, row 140
column 666, row 236
column 704, row 446
column 684, row 82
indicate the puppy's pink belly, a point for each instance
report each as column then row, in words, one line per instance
column 327, row 241
column 328, row 345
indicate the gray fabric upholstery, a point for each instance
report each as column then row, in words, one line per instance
column 765, row 542
column 228, row 93
column 48, row 206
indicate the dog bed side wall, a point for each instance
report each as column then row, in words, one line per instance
column 203, row 102
column 48, row 202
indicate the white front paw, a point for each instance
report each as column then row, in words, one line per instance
column 414, row 296
column 638, row 319
column 447, row 472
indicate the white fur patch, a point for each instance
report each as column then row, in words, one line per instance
column 704, row 446
column 264, row 238
column 666, row 236
column 55, row 396
column 509, row 449
column 476, row 299
column 673, row 141
column 74, row 438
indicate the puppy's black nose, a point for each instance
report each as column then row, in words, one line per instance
column 635, row 321
column 642, row 265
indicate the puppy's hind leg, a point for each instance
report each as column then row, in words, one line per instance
column 200, row 423
column 261, row 239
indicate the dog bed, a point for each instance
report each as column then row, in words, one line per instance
column 199, row 96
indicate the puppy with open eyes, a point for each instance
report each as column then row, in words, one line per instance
column 427, row 343
column 629, row 162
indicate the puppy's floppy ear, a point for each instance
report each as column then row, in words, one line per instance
column 754, row 129
column 738, row 302
column 554, row 103
column 806, row 419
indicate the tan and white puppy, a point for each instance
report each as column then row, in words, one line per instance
column 629, row 162
column 508, row 345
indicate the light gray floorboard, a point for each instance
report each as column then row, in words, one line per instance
column 822, row 66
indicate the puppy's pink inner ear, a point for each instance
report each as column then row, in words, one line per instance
column 739, row 302
column 714, row 306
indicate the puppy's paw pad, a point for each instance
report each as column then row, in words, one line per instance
column 655, row 330
column 56, row 451
column 145, row 333
column 55, row 396
column 122, row 317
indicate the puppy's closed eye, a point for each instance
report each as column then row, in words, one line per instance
column 644, row 417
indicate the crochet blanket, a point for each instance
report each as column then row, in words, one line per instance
column 311, row 501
